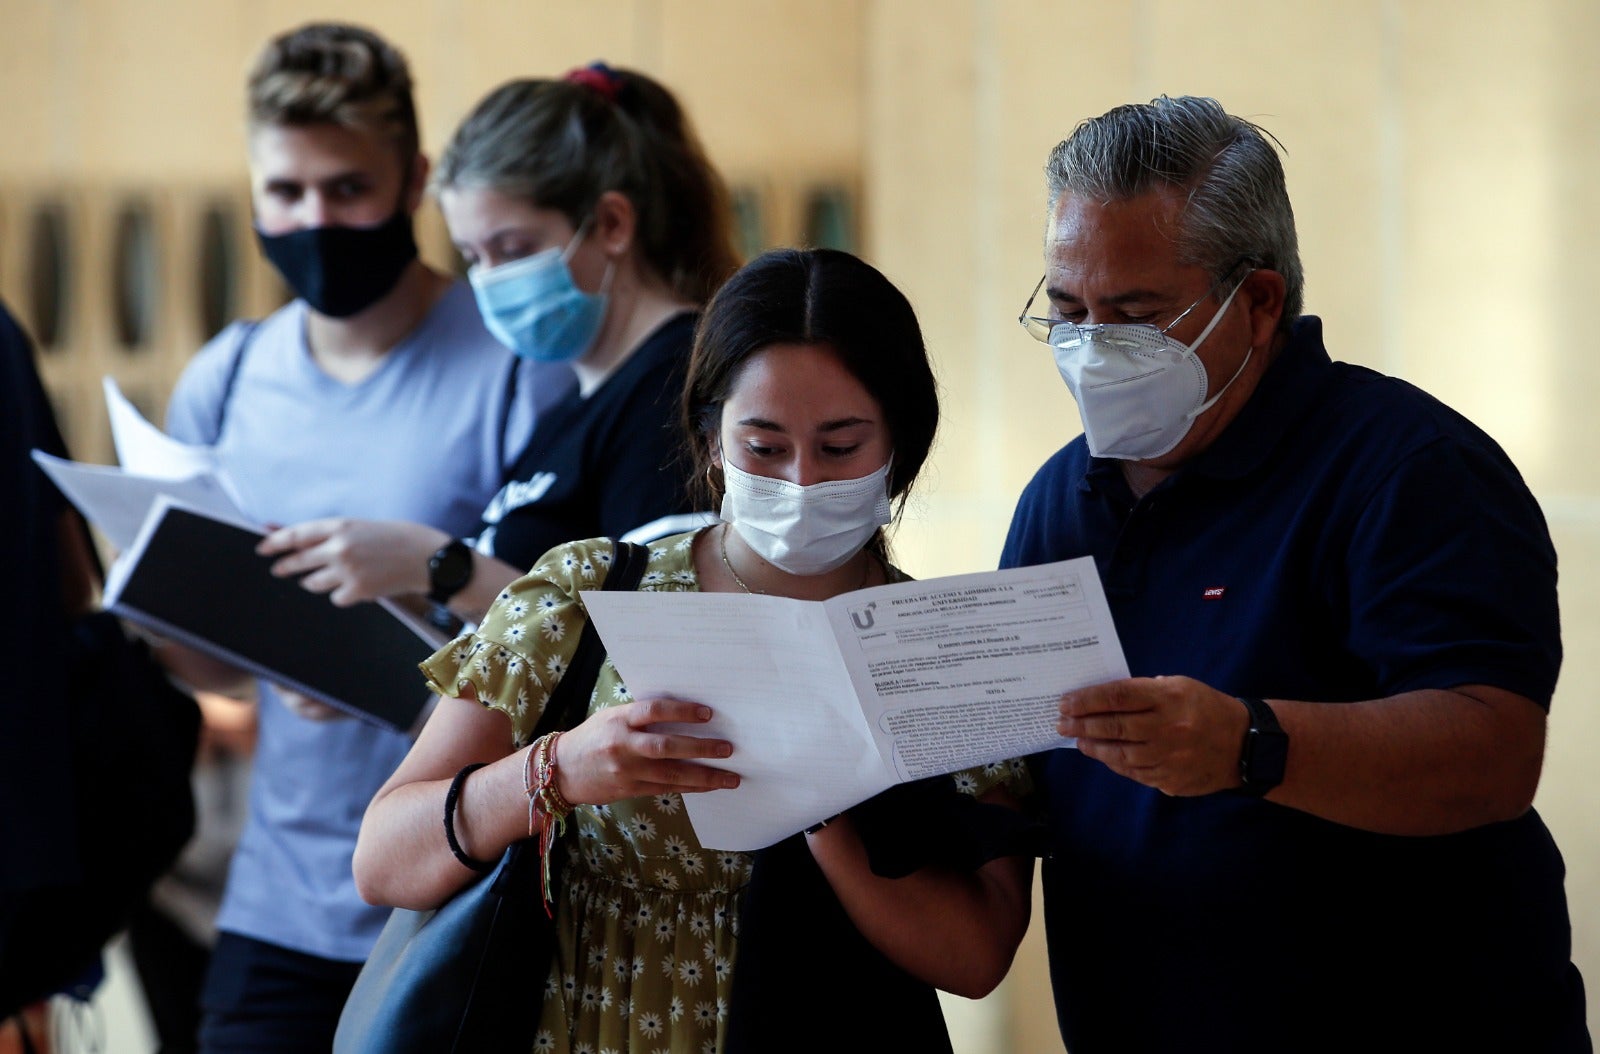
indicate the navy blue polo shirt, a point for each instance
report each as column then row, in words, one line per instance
column 1347, row 537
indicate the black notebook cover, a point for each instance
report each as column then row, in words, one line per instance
column 200, row 581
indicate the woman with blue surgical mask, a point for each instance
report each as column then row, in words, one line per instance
column 810, row 407
column 593, row 229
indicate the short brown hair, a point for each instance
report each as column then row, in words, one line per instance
column 332, row 73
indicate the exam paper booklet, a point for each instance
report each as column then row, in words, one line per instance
column 118, row 498
column 830, row 702
column 198, row 579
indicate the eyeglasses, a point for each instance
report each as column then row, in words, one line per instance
column 1040, row 329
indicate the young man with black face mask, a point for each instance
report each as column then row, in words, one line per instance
column 376, row 393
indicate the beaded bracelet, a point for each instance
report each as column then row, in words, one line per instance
column 480, row 866
column 539, row 784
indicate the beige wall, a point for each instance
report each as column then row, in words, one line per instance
column 1443, row 157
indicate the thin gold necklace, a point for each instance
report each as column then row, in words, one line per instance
column 723, row 538
column 866, row 566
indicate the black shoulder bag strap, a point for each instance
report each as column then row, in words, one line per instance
column 505, row 416
column 522, row 936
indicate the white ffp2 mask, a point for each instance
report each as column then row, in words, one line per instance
column 1138, row 390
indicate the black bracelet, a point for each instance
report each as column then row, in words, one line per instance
column 820, row 824
column 483, row 867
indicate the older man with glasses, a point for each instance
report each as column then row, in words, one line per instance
column 1305, row 823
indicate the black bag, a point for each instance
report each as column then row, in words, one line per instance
column 467, row 976
column 134, row 735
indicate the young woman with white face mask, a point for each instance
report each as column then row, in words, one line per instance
column 810, row 406
column 593, row 228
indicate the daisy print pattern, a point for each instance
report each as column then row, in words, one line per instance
column 647, row 918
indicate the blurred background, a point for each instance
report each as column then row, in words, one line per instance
column 1443, row 158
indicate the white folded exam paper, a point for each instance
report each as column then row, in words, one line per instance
column 118, row 499
column 827, row 703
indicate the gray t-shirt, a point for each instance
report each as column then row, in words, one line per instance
column 426, row 438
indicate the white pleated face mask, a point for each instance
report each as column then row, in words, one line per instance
column 805, row 530
column 1138, row 390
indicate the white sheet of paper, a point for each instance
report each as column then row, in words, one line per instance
column 118, row 502
column 146, row 450
column 829, row 703
column 118, row 499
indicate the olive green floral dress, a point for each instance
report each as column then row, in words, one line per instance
column 647, row 920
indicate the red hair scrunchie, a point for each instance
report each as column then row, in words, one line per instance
column 597, row 77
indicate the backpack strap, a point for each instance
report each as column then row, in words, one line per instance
column 251, row 326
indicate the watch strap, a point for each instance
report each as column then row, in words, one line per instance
column 1265, row 750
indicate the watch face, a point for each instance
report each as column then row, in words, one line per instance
column 1266, row 752
column 449, row 569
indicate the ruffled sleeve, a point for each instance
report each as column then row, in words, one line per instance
column 520, row 651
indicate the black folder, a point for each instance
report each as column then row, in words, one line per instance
column 200, row 581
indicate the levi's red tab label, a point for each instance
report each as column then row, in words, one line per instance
column 1214, row 593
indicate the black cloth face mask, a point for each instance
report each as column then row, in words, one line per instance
column 340, row 271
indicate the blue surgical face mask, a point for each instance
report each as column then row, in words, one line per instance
column 533, row 307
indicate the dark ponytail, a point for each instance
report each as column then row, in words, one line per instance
column 560, row 144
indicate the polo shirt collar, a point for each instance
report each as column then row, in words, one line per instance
column 1283, row 397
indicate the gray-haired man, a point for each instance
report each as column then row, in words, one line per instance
column 1305, row 823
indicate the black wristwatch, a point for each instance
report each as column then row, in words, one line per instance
column 1265, row 751
column 449, row 571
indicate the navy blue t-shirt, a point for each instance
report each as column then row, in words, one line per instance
column 1346, row 538
column 607, row 464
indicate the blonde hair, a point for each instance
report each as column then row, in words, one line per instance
column 332, row 73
